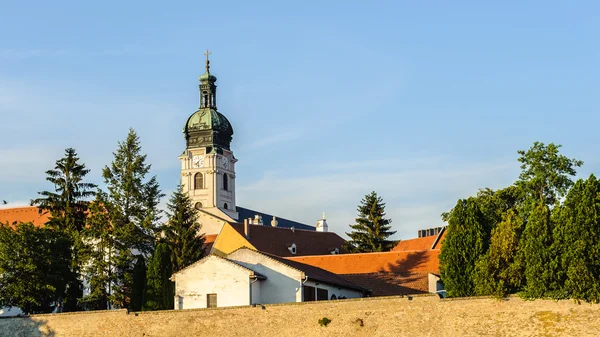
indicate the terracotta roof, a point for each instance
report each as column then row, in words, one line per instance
column 424, row 243
column 209, row 241
column 24, row 214
column 391, row 284
column 312, row 272
column 275, row 240
column 403, row 263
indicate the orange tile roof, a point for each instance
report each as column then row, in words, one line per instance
column 365, row 263
column 438, row 244
column 415, row 244
column 391, row 284
column 275, row 240
column 24, row 214
column 209, row 241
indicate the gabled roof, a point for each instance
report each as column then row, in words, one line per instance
column 245, row 213
column 392, row 284
column 24, row 214
column 424, row 243
column 212, row 256
column 365, row 263
column 313, row 273
column 275, row 240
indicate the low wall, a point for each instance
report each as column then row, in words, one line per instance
column 391, row 316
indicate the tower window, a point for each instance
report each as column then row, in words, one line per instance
column 225, row 182
column 225, row 206
column 198, row 181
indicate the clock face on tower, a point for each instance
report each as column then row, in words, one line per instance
column 198, row 161
column 225, row 162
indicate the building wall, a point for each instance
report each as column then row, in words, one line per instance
column 392, row 316
column 231, row 283
column 282, row 284
column 333, row 290
column 229, row 240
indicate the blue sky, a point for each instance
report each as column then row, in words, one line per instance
column 424, row 103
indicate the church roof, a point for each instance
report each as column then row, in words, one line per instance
column 245, row 213
column 277, row 240
column 31, row 214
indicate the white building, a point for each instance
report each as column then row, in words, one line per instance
column 248, row 277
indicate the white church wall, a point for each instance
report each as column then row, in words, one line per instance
column 283, row 284
column 214, row 275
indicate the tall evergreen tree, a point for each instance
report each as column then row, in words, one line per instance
column 34, row 267
column 160, row 290
column 371, row 230
column 97, row 254
column 182, row 231
column 577, row 241
column 463, row 245
column 131, row 202
column 138, row 283
column 67, row 206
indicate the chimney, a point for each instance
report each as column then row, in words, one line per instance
column 322, row 224
column 247, row 228
column 274, row 222
column 257, row 220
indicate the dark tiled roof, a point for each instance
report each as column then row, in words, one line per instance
column 246, row 213
column 31, row 214
column 276, row 240
column 391, row 284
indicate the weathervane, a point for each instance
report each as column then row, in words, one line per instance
column 207, row 61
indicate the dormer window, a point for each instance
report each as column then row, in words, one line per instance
column 335, row 251
column 292, row 248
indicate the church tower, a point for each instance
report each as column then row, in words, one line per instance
column 208, row 164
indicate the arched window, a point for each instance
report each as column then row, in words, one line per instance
column 225, row 182
column 225, row 206
column 198, row 205
column 198, row 181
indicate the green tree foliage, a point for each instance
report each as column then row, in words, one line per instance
column 462, row 246
column 577, row 241
column 371, row 231
column 182, row 231
column 160, row 290
column 139, row 283
column 545, row 173
column 97, row 254
column 131, row 202
column 496, row 272
column 536, row 253
column 34, row 265
column 67, row 206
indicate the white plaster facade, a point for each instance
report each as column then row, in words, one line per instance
column 248, row 277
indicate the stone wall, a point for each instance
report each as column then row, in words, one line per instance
column 392, row 316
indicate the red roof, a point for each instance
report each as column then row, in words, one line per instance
column 364, row 263
column 24, row 214
column 209, row 241
column 276, row 240
column 424, row 243
column 391, row 284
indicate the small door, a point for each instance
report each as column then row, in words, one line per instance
column 180, row 302
column 211, row 300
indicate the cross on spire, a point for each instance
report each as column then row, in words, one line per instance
column 207, row 61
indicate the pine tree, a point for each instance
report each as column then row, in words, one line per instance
column 372, row 229
column 67, row 207
column 160, row 289
column 138, row 283
column 131, row 203
column 577, row 242
column 35, row 267
column 97, row 254
column 182, row 231
column 463, row 245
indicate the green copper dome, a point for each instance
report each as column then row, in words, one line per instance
column 207, row 76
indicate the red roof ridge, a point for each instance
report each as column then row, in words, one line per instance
column 361, row 254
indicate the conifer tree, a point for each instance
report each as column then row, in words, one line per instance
column 97, row 254
column 463, row 245
column 67, row 206
column 577, row 241
column 138, row 283
column 182, row 231
column 160, row 289
column 372, row 229
column 131, row 202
